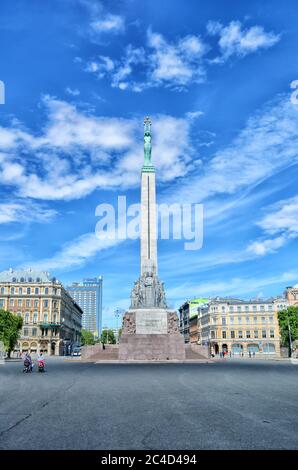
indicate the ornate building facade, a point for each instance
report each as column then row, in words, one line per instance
column 291, row 294
column 51, row 318
column 239, row 327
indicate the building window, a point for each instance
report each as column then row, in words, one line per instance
column 28, row 290
column 45, row 318
column 36, row 290
column 256, row 334
column 255, row 319
column 12, row 291
column 263, row 333
column 254, row 308
column 269, row 307
column 20, row 290
column 223, row 320
column 20, row 302
column 248, row 334
column 2, row 290
column 239, row 308
column 271, row 319
column 232, row 334
column 246, row 308
column 212, row 335
column 46, row 290
column 45, row 303
column 1, row 302
column 11, row 302
column 239, row 319
column 231, row 308
column 26, row 332
column 36, row 303
column 271, row 333
column 224, row 334
column 27, row 316
column 35, row 317
column 27, row 303
column 240, row 335
column 262, row 308
column 34, row 331
column 247, row 319
column 263, row 319
column 232, row 320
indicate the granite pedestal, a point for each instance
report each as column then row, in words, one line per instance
column 151, row 335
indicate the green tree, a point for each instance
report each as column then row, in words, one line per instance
column 108, row 336
column 87, row 338
column 288, row 317
column 10, row 326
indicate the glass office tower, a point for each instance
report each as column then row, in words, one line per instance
column 88, row 295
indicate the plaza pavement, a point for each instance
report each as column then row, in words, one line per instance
column 220, row 405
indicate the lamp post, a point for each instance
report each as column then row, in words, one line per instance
column 118, row 312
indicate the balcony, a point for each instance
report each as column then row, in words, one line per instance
column 49, row 325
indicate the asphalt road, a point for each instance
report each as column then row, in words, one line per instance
column 233, row 405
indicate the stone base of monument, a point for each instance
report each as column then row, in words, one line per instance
column 151, row 334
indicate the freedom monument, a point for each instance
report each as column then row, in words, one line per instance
column 150, row 330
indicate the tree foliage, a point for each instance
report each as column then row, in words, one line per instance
column 10, row 326
column 87, row 338
column 288, row 317
column 108, row 336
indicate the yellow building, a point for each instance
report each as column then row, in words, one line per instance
column 239, row 327
column 51, row 318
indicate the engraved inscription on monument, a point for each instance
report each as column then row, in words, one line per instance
column 151, row 323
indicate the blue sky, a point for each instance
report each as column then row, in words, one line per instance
column 80, row 76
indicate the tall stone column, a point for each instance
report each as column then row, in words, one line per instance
column 148, row 223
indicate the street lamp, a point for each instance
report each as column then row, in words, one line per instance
column 118, row 313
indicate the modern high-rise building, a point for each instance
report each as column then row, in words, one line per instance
column 88, row 295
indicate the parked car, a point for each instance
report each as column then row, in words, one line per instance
column 76, row 351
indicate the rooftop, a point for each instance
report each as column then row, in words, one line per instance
column 26, row 275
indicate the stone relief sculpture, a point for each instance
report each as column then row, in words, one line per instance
column 148, row 292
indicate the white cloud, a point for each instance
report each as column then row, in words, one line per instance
column 177, row 63
column 281, row 221
column 230, row 287
column 72, row 91
column 74, row 253
column 174, row 64
column 78, row 152
column 25, row 211
column 180, row 62
column 108, row 23
column 238, row 41
column 102, row 21
column 267, row 144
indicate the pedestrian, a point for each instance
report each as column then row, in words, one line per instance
column 249, row 354
column 103, row 346
column 254, row 354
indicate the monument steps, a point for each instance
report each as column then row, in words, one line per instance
column 191, row 354
column 110, row 353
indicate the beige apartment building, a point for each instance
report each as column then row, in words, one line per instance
column 291, row 294
column 239, row 327
column 51, row 318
